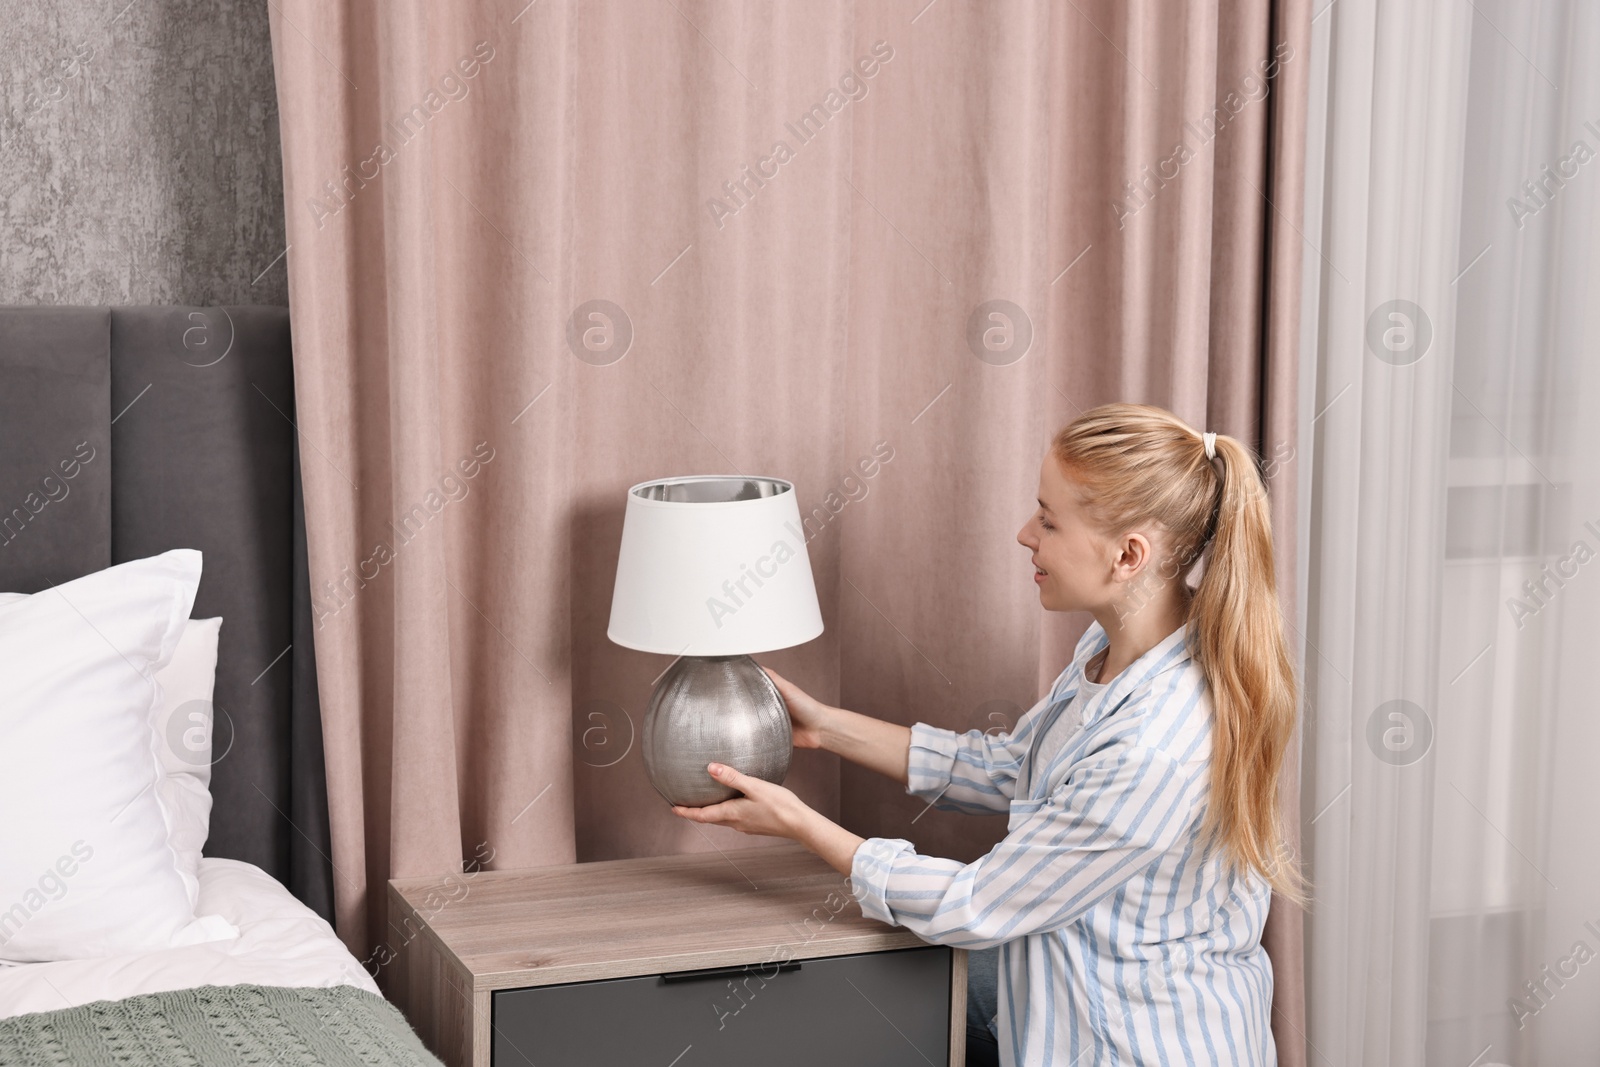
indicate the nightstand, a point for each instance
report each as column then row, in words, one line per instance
column 755, row 955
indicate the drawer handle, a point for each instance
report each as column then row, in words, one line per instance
column 725, row 972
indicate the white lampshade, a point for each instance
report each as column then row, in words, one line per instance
column 713, row 565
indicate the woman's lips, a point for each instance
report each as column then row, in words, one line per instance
column 1038, row 575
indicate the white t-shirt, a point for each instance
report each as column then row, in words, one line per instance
column 1066, row 725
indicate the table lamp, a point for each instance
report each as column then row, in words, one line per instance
column 713, row 568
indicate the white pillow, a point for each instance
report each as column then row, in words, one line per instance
column 181, row 721
column 85, row 867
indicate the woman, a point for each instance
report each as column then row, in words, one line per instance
column 1128, row 896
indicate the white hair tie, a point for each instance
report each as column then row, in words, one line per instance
column 1211, row 446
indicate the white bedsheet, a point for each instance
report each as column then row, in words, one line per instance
column 281, row 942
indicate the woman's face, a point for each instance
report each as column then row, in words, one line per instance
column 1073, row 561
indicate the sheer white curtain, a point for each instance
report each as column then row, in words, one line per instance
column 1451, row 423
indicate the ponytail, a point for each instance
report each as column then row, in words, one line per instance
column 1236, row 634
column 1143, row 464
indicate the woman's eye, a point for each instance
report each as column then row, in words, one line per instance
column 1046, row 524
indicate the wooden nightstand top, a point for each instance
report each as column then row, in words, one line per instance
column 614, row 918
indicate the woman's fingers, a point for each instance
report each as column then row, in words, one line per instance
column 765, row 808
column 726, row 811
column 804, row 711
column 791, row 693
column 737, row 779
column 784, row 685
column 718, row 813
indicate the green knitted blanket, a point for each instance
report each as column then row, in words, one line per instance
column 219, row 1026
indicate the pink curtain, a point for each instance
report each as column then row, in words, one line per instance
column 540, row 253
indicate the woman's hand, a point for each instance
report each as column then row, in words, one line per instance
column 765, row 808
column 807, row 714
column 774, row 811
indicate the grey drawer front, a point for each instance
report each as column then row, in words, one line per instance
column 884, row 1009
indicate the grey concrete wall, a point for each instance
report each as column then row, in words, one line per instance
column 139, row 158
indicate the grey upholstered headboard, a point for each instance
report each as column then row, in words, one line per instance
column 125, row 432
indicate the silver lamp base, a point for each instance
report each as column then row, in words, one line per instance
column 722, row 709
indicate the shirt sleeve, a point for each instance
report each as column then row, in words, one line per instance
column 1105, row 826
column 974, row 772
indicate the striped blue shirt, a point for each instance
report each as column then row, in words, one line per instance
column 1122, row 938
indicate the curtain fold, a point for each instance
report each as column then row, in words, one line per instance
column 1392, row 151
column 884, row 251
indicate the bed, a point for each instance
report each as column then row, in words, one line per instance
column 177, row 427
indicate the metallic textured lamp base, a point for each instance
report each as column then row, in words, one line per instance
column 722, row 709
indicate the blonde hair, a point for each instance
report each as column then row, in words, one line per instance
column 1142, row 464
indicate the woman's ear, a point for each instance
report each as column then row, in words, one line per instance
column 1133, row 557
